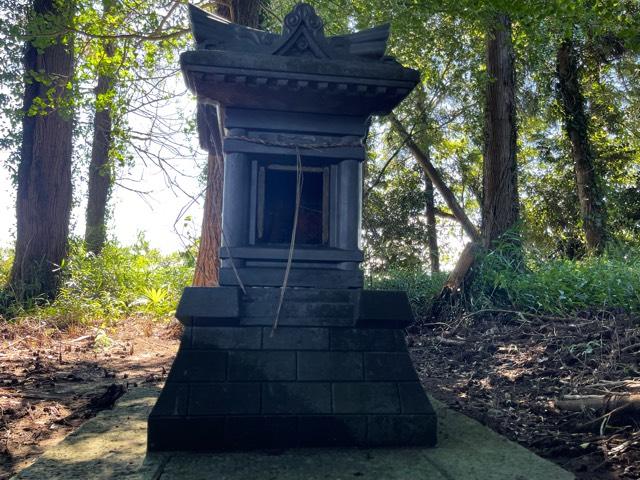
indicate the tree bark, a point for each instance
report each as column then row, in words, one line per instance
column 434, row 176
column 576, row 126
column 44, row 193
column 247, row 13
column 242, row 12
column 500, row 207
column 101, row 168
column 208, row 261
column 432, row 231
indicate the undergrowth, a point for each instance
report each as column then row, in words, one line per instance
column 120, row 282
column 534, row 284
column 138, row 280
column 557, row 286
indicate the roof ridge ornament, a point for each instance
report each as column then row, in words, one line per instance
column 303, row 34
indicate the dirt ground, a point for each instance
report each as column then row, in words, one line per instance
column 507, row 373
column 502, row 371
column 52, row 381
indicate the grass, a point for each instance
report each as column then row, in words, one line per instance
column 557, row 286
column 536, row 284
column 120, row 282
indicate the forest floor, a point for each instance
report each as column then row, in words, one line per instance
column 502, row 372
column 53, row 381
column 508, row 373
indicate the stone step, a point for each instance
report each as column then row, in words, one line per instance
column 297, row 309
column 259, row 294
column 293, row 321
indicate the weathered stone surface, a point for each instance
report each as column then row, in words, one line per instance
column 298, row 321
column 199, row 366
column 383, row 366
column 272, row 277
column 101, row 449
column 295, row 338
column 335, row 360
column 255, row 375
column 322, row 295
column 299, row 309
column 174, row 400
column 216, row 302
column 413, row 399
column 262, row 365
column 366, row 398
column 224, row 399
column 330, row 366
column 368, row 339
column 296, row 398
column 227, row 338
column 332, row 430
column 248, row 432
column 385, row 309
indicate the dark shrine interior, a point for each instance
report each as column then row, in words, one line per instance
column 277, row 207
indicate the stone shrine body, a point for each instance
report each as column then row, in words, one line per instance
column 290, row 113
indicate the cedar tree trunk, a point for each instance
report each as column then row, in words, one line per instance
column 101, row 167
column 247, row 13
column 43, row 201
column 575, row 122
column 500, row 179
column 208, row 261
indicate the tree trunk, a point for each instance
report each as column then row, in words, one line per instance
column 500, row 179
column 435, row 177
column 247, row 13
column 208, row 261
column 432, row 232
column 575, row 121
column 242, row 12
column 44, row 195
column 101, row 168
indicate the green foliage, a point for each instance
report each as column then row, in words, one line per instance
column 421, row 287
column 557, row 286
column 537, row 285
column 120, row 282
column 6, row 259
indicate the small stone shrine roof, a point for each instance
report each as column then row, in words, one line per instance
column 300, row 69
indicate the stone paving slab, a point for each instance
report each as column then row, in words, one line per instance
column 110, row 446
column 113, row 445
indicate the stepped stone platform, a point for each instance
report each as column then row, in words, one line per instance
column 336, row 372
column 112, row 446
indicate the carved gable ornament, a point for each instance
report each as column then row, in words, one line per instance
column 302, row 36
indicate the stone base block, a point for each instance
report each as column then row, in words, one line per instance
column 335, row 373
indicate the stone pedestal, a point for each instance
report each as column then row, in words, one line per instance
column 336, row 372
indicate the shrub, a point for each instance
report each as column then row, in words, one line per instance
column 120, row 282
column 533, row 283
column 558, row 286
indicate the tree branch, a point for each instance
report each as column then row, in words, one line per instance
column 423, row 159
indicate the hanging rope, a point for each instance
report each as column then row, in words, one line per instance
column 233, row 264
column 283, row 289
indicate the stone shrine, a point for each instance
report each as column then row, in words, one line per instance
column 293, row 112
